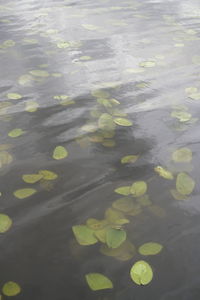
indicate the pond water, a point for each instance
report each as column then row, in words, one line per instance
column 83, row 85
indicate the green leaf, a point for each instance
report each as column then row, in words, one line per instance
column 147, row 64
column 150, row 249
column 63, row 45
column 123, row 190
column 123, row 122
column 31, row 106
column 14, row 96
column 182, row 155
column 129, row 159
column 11, row 288
column 182, row 116
column 115, row 237
column 32, row 178
column 16, row 132
column 138, row 188
column 84, row 235
column 97, row 281
column 164, row 173
column 60, row 152
column 48, row 175
column 24, row 193
column 124, row 204
column 141, row 273
column 194, row 96
column 114, row 216
column 5, row 223
column 105, row 122
column 184, row 184
column 95, row 224
column 177, row 195
column 100, row 94
column 124, row 252
column 39, row 73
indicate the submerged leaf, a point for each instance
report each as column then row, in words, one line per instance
column 150, row 248
column 14, row 96
column 123, row 190
column 32, row 178
column 105, row 122
column 39, row 73
column 114, row 216
column 60, row 152
column 184, row 184
column 129, row 159
column 11, row 288
column 115, row 237
column 124, row 204
column 138, row 188
column 182, row 116
column 177, row 195
column 163, row 172
column 141, row 273
column 182, row 155
column 147, row 64
column 123, row 122
column 63, row 45
column 84, row 235
column 124, row 252
column 97, row 281
column 31, row 106
column 5, row 223
column 16, row 132
column 24, row 193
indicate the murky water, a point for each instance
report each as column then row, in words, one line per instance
column 103, row 80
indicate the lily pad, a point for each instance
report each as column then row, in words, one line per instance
column 60, row 152
column 182, row 155
column 115, row 237
column 32, row 178
column 138, row 188
column 141, row 273
column 16, row 132
column 123, row 122
column 164, row 173
column 5, row 223
column 129, row 159
column 48, row 175
column 39, row 73
column 97, row 281
column 24, row 193
column 14, row 96
column 123, row 190
column 124, row 204
column 84, row 235
column 184, row 184
column 11, row 288
column 150, row 248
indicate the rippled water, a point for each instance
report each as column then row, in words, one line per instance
column 144, row 54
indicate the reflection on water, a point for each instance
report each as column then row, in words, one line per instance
column 99, row 133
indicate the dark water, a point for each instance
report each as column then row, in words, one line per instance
column 83, row 47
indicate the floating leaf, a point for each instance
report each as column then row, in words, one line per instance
column 90, row 26
column 138, row 188
column 115, row 237
column 163, row 172
column 97, row 281
column 16, row 132
column 95, row 224
column 123, row 190
column 147, row 64
column 48, row 175
column 182, row 116
column 124, row 252
column 11, row 288
column 177, row 195
column 194, row 96
column 39, row 73
column 63, row 45
column 122, row 122
column 5, row 223
column 141, row 273
column 191, row 90
column 31, row 106
column 105, row 122
column 124, row 204
column 32, row 178
column 100, row 94
column 184, row 184
column 90, row 127
column 182, row 155
column 25, row 80
column 14, row 96
column 101, row 234
column 5, row 158
column 24, row 193
column 129, row 159
column 60, row 152
column 84, row 235
column 114, row 216
column 150, row 249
